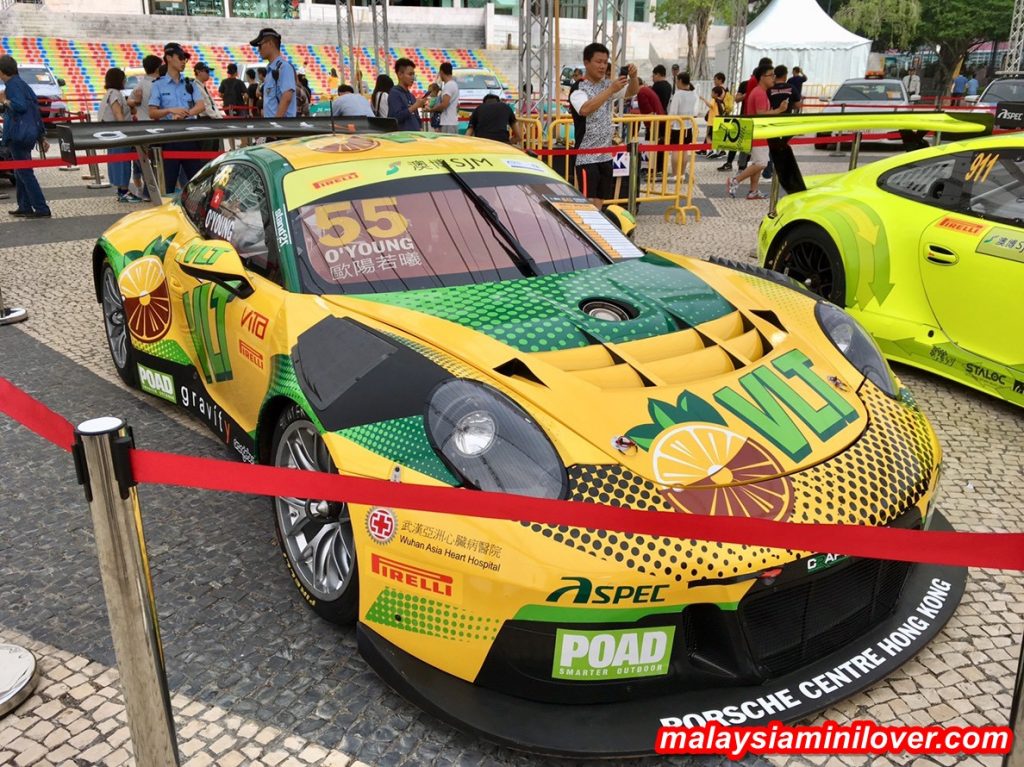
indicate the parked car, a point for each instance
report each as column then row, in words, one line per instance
column 304, row 299
column 863, row 94
column 47, row 87
column 1001, row 89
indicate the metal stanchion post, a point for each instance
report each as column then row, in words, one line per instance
column 158, row 164
column 8, row 316
column 102, row 463
column 19, row 675
column 94, row 174
column 855, row 150
column 634, row 171
column 1016, row 756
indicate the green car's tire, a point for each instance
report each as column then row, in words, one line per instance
column 315, row 536
column 807, row 254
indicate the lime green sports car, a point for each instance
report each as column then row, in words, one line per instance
column 926, row 249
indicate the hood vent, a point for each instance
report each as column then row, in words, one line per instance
column 714, row 348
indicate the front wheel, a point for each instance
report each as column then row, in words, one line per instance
column 808, row 255
column 315, row 535
column 116, row 327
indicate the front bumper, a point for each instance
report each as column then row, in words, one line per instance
column 790, row 686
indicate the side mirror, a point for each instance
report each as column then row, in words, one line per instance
column 972, row 99
column 216, row 261
column 622, row 218
column 824, row 98
column 60, row 82
column 915, row 97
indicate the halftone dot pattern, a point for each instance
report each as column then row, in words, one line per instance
column 882, row 474
column 165, row 349
column 404, row 441
column 422, row 615
column 283, row 382
column 887, row 470
column 454, row 366
column 542, row 313
column 783, row 300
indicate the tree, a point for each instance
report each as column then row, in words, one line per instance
column 889, row 23
column 956, row 26
column 697, row 15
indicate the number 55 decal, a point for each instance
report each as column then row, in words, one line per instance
column 340, row 225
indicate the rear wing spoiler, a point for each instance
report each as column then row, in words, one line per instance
column 80, row 137
column 739, row 133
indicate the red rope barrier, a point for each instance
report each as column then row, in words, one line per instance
column 989, row 550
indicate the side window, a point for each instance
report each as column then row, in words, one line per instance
column 997, row 185
column 195, row 199
column 239, row 213
column 938, row 181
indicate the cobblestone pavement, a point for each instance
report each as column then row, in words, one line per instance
column 255, row 677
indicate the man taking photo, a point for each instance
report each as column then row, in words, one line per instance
column 590, row 102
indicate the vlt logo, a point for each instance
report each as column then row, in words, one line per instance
column 772, row 395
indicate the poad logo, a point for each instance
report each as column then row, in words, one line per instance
column 381, row 525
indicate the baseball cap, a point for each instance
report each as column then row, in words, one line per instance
column 175, row 49
column 202, row 66
column 265, row 32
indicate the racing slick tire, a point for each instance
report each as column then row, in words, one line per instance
column 116, row 327
column 315, row 536
column 807, row 254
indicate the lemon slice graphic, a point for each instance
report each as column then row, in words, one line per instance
column 147, row 304
column 712, row 470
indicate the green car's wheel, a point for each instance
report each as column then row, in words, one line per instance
column 116, row 328
column 315, row 535
column 808, row 255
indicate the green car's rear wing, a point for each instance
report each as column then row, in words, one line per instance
column 739, row 133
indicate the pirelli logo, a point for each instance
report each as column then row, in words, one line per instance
column 413, row 577
column 335, row 180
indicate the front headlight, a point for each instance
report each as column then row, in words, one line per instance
column 491, row 442
column 856, row 345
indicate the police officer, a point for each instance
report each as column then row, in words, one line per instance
column 176, row 97
column 280, row 87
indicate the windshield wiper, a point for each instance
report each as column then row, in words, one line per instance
column 523, row 260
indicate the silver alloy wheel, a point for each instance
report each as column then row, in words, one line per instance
column 317, row 535
column 113, row 319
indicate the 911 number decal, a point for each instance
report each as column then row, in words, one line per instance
column 981, row 166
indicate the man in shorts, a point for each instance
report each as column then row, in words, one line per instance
column 590, row 102
column 757, row 103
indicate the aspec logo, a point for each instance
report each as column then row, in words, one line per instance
column 1006, row 114
column 584, row 592
column 621, row 654
column 415, row 577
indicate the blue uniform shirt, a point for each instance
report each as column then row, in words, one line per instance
column 275, row 87
column 171, row 94
column 959, row 85
column 400, row 102
column 24, row 123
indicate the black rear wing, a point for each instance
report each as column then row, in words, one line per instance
column 80, row 137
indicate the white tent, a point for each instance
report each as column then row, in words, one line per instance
column 799, row 33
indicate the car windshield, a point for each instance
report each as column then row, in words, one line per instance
column 478, row 82
column 36, row 76
column 131, row 82
column 877, row 91
column 1004, row 90
column 424, row 231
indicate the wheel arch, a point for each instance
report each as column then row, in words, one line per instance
column 850, row 270
column 269, row 415
column 99, row 257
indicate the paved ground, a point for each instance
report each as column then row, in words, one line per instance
column 256, row 678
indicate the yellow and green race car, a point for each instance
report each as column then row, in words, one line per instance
column 925, row 249
column 447, row 311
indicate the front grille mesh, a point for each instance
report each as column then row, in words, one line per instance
column 794, row 625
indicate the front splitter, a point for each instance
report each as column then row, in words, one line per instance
column 628, row 728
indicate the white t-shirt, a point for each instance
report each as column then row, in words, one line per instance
column 684, row 103
column 450, row 116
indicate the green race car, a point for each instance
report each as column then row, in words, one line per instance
column 926, row 248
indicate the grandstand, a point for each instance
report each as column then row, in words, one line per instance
column 83, row 64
